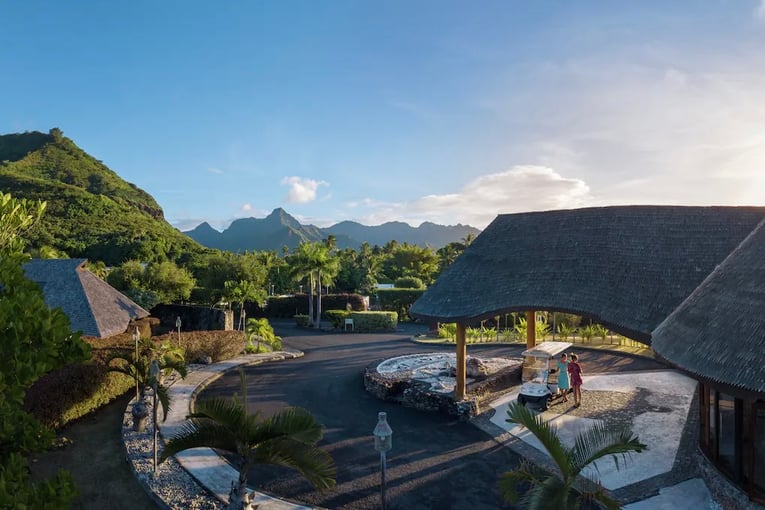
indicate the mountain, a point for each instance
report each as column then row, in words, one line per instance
column 280, row 229
column 91, row 211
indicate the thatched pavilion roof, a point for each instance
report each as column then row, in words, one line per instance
column 626, row 267
column 92, row 305
column 718, row 333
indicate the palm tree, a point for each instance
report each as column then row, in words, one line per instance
column 565, row 489
column 137, row 365
column 316, row 262
column 260, row 331
column 288, row 438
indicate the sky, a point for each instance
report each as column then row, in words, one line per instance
column 398, row 110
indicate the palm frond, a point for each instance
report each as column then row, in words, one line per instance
column 603, row 440
column 200, row 434
column 551, row 493
column 526, row 472
column 228, row 414
column 315, row 464
column 544, row 432
column 293, row 422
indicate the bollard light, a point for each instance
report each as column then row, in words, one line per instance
column 383, row 444
column 136, row 338
column 178, row 326
column 154, row 374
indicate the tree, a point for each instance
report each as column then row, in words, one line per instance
column 35, row 341
column 288, row 438
column 565, row 489
column 138, row 367
column 316, row 262
column 170, row 282
column 239, row 293
column 410, row 260
column 261, row 331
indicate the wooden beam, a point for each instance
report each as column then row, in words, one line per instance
column 531, row 330
column 459, row 388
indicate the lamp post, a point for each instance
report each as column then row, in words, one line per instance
column 178, row 326
column 136, row 338
column 154, row 374
column 383, row 444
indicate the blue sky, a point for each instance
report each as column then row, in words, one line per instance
column 415, row 111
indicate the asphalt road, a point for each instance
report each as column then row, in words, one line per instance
column 436, row 463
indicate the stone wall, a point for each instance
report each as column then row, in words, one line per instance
column 193, row 317
column 417, row 394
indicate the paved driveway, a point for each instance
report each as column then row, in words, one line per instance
column 436, row 461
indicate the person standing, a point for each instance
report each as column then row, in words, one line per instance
column 575, row 374
column 563, row 383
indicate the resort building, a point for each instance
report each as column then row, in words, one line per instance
column 689, row 281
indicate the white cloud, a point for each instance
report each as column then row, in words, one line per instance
column 522, row 188
column 648, row 129
column 302, row 189
column 246, row 208
column 215, row 171
column 759, row 11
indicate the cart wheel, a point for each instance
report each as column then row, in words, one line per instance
column 547, row 403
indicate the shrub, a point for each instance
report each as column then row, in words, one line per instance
column 337, row 317
column 303, row 321
column 218, row 345
column 261, row 332
column 374, row 321
column 75, row 390
column 408, row 282
column 398, row 300
column 447, row 330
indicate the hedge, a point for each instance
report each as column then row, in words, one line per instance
column 289, row 306
column 398, row 300
column 374, row 321
column 337, row 317
column 302, row 320
column 76, row 390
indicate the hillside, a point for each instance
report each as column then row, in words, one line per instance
column 280, row 229
column 91, row 212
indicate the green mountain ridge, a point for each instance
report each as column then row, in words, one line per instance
column 91, row 212
column 280, row 229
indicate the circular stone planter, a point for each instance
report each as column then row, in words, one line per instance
column 426, row 381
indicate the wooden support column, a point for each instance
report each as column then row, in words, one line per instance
column 531, row 330
column 459, row 388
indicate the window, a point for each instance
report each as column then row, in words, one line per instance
column 726, row 446
column 758, row 478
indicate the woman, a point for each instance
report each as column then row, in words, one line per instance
column 563, row 384
column 575, row 374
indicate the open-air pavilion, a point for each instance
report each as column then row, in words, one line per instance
column 632, row 269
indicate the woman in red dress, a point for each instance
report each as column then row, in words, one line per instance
column 575, row 374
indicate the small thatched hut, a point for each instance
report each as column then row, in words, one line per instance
column 92, row 305
column 689, row 280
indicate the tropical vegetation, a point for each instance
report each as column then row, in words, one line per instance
column 35, row 340
column 288, row 438
column 565, row 488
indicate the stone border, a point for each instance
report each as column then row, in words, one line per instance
column 210, row 475
column 417, row 394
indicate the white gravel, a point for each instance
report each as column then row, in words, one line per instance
column 172, row 484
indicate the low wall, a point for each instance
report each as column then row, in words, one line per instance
column 194, row 317
column 417, row 394
column 725, row 492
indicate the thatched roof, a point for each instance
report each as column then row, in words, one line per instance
column 92, row 305
column 718, row 333
column 626, row 267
